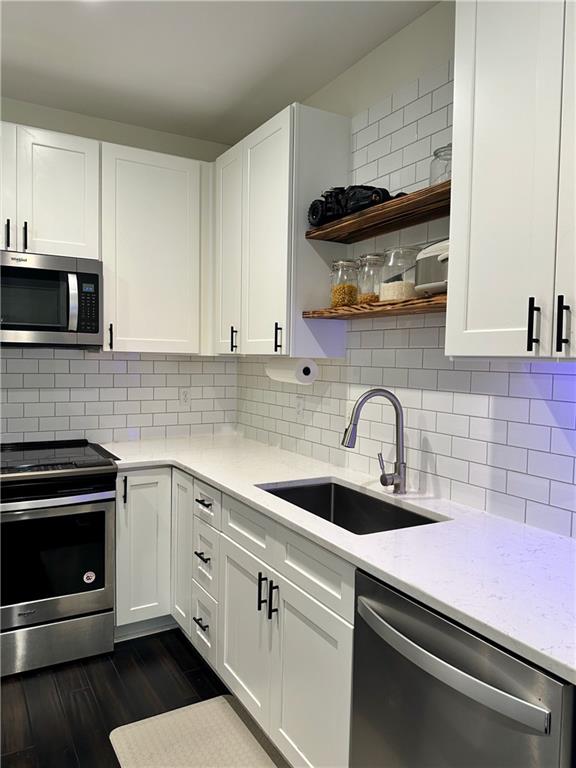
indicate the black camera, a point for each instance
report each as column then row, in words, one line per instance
column 340, row 201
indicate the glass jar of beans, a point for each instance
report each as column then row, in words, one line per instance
column 369, row 274
column 344, row 291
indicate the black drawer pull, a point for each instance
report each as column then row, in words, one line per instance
column 7, row 236
column 532, row 309
column 233, row 334
column 125, row 493
column 204, row 503
column 202, row 556
column 561, row 307
column 261, row 580
column 277, row 332
column 203, row 627
column 271, row 609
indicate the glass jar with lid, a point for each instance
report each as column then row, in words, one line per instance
column 344, row 291
column 441, row 165
column 369, row 274
column 398, row 273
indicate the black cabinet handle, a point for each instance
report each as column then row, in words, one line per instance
column 203, row 627
column 7, row 235
column 233, row 334
column 203, row 503
column 272, row 610
column 25, row 231
column 532, row 309
column 277, row 332
column 125, row 492
column 201, row 556
column 111, row 335
column 261, row 580
column 561, row 307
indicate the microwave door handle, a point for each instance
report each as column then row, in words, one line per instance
column 72, row 301
column 529, row 715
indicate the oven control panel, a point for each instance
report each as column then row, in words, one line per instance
column 88, row 304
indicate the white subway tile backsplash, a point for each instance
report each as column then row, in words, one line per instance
column 529, row 436
column 550, row 518
column 432, row 123
column 433, row 79
column 507, row 457
column 528, row 487
column 405, row 95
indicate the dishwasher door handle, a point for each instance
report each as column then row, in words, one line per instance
column 529, row 715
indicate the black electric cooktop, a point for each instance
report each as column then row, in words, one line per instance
column 53, row 456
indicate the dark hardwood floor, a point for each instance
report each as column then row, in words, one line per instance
column 60, row 717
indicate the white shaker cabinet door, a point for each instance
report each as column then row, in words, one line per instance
column 150, row 250
column 507, row 103
column 228, row 256
column 267, row 211
column 245, row 633
column 311, row 680
column 565, row 328
column 143, row 512
column 58, row 193
column 8, row 187
column 182, row 547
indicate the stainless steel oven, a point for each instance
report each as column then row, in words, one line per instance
column 55, row 300
column 57, row 543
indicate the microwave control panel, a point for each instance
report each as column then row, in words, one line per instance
column 88, row 304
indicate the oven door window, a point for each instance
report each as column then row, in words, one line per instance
column 34, row 299
column 48, row 557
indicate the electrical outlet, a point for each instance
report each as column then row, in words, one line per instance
column 299, row 406
column 184, row 396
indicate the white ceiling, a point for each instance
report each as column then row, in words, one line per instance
column 212, row 70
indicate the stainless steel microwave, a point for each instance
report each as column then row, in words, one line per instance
column 53, row 300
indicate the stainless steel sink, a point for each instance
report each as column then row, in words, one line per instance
column 347, row 508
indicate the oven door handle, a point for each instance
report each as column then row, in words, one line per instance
column 523, row 712
column 72, row 301
column 15, row 508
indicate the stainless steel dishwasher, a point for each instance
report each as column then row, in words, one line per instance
column 429, row 694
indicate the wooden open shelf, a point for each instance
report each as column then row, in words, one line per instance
column 381, row 309
column 415, row 208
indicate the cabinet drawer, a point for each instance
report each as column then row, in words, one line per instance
column 206, row 547
column 249, row 528
column 204, row 623
column 207, row 504
column 318, row 572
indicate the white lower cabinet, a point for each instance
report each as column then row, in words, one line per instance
column 182, row 547
column 204, row 614
column 143, row 517
column 245, row 633
column 206, row 550
column 311, row 676
column 287, row 658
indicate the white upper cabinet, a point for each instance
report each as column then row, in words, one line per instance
column 51, row 189
column 506, row 148
column 267, row 273
column 564, row 344
column 228, row 253
column 151, row 250
column 8, row 186
column 266, row 225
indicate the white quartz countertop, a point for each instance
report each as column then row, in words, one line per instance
column 512, row 583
